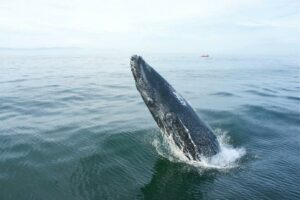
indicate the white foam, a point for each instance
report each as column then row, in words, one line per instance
column 228, row 157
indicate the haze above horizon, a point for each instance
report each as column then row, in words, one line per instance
column 232, row 26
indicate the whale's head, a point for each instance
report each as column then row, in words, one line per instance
column 148, row 82
column 158, row 95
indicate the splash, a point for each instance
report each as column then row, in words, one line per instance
column 227, row 158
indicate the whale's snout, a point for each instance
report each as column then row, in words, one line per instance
column 140, row 72
column 135, row 66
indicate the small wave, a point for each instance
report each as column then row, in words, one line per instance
column 227, row 158
column 293, row 98
column 224, row 94
column 258, row 93
column 269, row 90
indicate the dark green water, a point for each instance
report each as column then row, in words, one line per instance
column 74, row 127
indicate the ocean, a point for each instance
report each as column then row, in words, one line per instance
column 73, row 126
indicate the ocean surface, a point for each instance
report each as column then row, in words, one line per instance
column 73, row 126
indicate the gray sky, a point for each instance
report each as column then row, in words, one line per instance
column 191, row 26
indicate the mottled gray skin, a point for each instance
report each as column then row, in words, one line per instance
column 172, row 113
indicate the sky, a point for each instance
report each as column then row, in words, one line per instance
column 162, row 26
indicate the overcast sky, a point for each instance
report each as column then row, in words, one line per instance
column 212, row 26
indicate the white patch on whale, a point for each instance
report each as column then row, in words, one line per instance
column 180, row 98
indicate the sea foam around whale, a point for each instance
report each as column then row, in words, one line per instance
column 227, row 158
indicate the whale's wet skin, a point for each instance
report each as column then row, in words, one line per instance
column 173, row 114
column 73, row 126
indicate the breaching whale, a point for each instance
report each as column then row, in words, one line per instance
column 172, row 113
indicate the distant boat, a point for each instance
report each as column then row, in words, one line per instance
column 204, row 55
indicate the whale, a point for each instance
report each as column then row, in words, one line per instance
column 174, row 115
